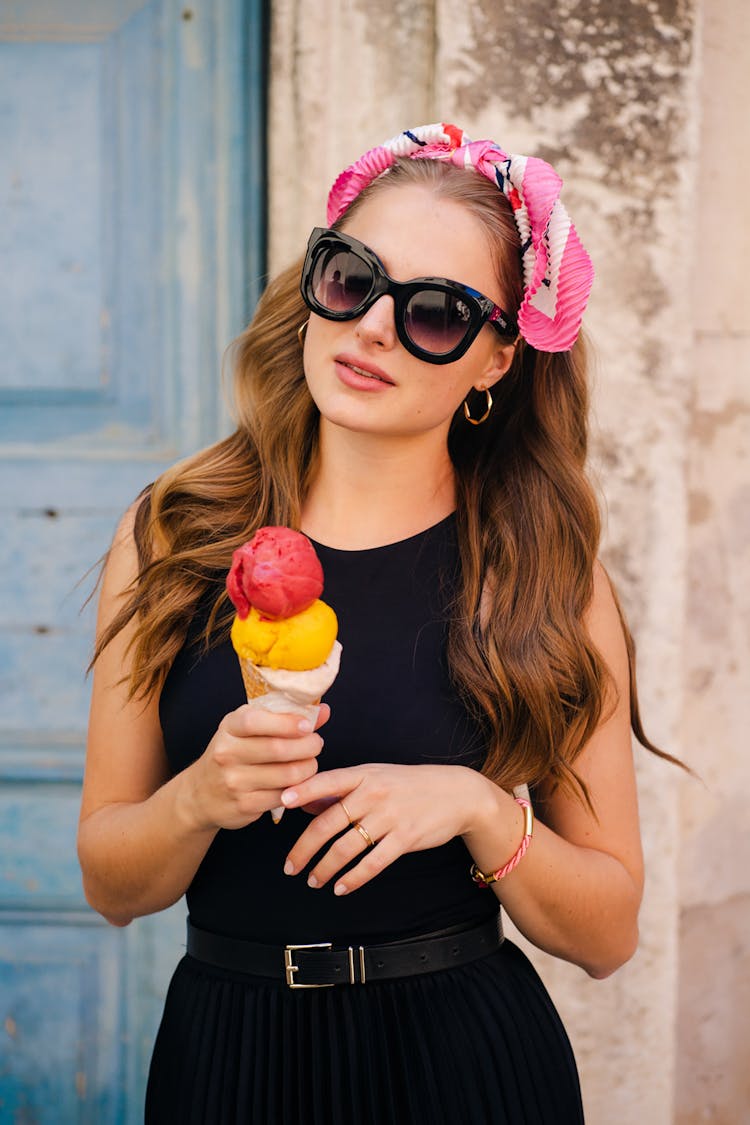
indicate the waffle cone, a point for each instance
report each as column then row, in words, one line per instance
column 256, row 688
column 255, row 685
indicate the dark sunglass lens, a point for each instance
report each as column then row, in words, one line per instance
column 437, row 321
column 340, row 279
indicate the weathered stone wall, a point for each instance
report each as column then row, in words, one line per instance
column 714, row 997
column 612, row 95
column 342, row 73
column 604, row 92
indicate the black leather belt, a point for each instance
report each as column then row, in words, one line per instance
column 319, row 965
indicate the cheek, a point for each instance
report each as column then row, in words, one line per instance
column 459, row 378
column 437, row 391
column 316, row 337
column 440, row 397
column 317, row 347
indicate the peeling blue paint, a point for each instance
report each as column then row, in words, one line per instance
column 113, row 323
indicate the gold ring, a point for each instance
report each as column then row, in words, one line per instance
column 364, row 834
column 346, row 812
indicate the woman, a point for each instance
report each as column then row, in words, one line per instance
column 428, row 434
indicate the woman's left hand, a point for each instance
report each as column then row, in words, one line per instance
column 401, row 808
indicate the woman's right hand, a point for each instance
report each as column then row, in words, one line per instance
column 251, row 759
column 144, row 830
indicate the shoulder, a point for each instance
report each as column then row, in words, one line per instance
column 131, row 527
column 604, row 623
column 603, row 610
column 133, row 546
column 124, row 537
column 121, row 565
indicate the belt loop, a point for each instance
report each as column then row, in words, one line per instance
column 352, row 974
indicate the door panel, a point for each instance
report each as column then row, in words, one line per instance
column 131, row 245
column 45, row 961
column 81, row 311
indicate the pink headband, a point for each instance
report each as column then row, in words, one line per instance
column 557, row 271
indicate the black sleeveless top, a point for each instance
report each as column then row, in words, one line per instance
column 391, row 702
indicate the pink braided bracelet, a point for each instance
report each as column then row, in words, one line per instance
column 483, row 880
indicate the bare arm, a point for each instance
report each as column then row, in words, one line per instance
column 142, row 834
column 577, row 892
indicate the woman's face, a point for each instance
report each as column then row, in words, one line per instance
column 415, row 234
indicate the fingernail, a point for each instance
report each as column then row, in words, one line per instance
column 289, row 796
column 289, row 867
column 312, row 881
column 305, row 726
column 339, row 889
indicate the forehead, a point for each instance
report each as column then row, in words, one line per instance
column 416, row 233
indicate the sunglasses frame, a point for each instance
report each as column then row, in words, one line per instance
column 482, row 309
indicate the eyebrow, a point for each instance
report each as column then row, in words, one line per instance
column 414, row 277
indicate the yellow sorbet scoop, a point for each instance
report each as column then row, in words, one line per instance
column 297, row 643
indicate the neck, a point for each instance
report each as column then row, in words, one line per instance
column 369, row 490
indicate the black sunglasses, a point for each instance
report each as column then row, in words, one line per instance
column 436, row 319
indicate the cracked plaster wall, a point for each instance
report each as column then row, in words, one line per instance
column 714, row 997
column 628, row 100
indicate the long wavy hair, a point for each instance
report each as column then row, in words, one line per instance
column 527, row 519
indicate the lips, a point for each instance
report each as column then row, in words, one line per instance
column 365, row 370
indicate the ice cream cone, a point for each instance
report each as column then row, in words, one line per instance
column 284, row 636
column 265, row 696
column 254, row 683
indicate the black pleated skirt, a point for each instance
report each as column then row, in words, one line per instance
column 481, row 1044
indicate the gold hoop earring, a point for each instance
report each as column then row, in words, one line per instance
column 485, row 416
column 301, row 332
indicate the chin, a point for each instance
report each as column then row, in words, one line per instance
column 349, row 414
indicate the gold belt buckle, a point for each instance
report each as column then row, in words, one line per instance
column 290, row 968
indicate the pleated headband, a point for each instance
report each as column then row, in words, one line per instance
column 557, row 271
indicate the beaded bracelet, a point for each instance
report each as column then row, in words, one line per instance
column 483, row 880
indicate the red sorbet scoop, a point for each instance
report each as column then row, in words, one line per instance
column 277, row 571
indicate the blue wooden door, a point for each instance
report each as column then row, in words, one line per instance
column 129, row 255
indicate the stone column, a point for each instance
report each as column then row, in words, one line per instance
column 607, row 93
column 714, row 993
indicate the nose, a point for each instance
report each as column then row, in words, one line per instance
column 377, row 326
